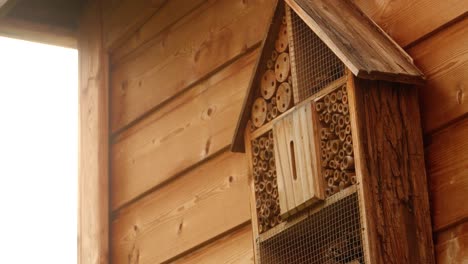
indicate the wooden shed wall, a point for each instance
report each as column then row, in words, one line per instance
column 179, row 70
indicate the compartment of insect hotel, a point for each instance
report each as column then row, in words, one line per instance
column 332, row 131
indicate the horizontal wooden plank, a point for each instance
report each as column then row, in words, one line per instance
column 168, row 14
column 122, row 17
column 206, row 202
column 452, row 245
column 52, row 35
column 185, row 131
column 187, row 51
column 444, row 60
column 364, row 48
column 447, row 165
column 407, row 21
column 233, row 248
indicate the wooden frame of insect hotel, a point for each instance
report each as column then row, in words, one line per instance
column 331, row 128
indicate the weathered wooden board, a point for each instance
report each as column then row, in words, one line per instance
column 407, row 21
column 185, row 131
column 363, row 47
column 447, row 165
column 187, row 51
column 200, row 205
column 122, row 17
column 389, row 159
column 296, row 163
column 452, row 244
column 234, row 248
column 169, row 13
column 93, row 222
column 444, row 59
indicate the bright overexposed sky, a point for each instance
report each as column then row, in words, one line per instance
column 38, row 153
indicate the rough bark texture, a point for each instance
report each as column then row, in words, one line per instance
column 391, row 161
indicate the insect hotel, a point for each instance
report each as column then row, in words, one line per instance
column 332, row 131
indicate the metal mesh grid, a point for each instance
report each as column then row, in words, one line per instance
column 314, row 64
column 330, row 235
column 265, row 183
column 336, row 142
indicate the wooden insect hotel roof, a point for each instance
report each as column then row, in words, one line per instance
column 359, row 43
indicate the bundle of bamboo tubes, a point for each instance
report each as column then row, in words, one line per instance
column 275, row 96
column 336, row 144
column 266, row 186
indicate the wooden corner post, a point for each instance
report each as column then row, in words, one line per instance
column 93, row 214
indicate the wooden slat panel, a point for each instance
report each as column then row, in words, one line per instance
column 234, row 248
column 189, row 129
column 187, row 51
column 447, row 164
column 365, row 49
column 93, row 222
column 168, row 14
column 122, row 17
column 407, row 21
column 452, row 245
column 198, row 206
column 444, row 59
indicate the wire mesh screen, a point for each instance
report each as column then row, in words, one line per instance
column 330, row 235
column 265, row 183
column 313, row 64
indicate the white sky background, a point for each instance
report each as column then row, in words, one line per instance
column 38, row 153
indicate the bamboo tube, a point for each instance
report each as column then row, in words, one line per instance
column 261, row 186
column 264, row 166
column 341, row 122
column 342, row 185
column 270, row 64
column 270, row 135
column 345, row 109
column 348, row 129
column 340, row 108
column 342, row 135
column 344, row 99
column 334, row 107
column 258, row 203
column 260, row 228
column 347, row 120
column 267, row 175
column 255, row 161
column 275, row 184
column 341, row 154
column 328, row 192
column 353, row 180
column 333, row 98
column 274, row 112
column 328, row 173
column 334, row 118
column 347, row 163
column 268, row 203
column 326, row 99
column 269, row 117
column 269, row 188
column 272, row 222
column 261, row 142
column 337, row 159
column 266, row 213
column 332, row 127
column 321, row 117
column 335, row 146
column 273, row 172
column 255, row 150
column 344, row 90
column 323, row 144
column 346, row 176
column 325, row 163
column 339, row 95
column 262, row 154
column 330, row 182
column 275, row 193
column 272, row 163
column 333, row 189
column 273, row 100
column 267, row 143
column 327, row 118
column 274, row 55
column 349, row 139
column 319, row 106
column 332, row 164
column 257, row 188
column 349, row 149
column 337, row 176
column 324, row 132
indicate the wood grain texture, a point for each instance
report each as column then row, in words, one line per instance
column 447, row 165
column 451, row 245
column 122, row 17
column 444, row 59
column 362, row 46
column 187, row 51
column 93, row 143
column 390, row 166
column 20, row 29
column 234, row 248
column 185, row 131
column 200, row 205
column 409, row 21
column 168, row 14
